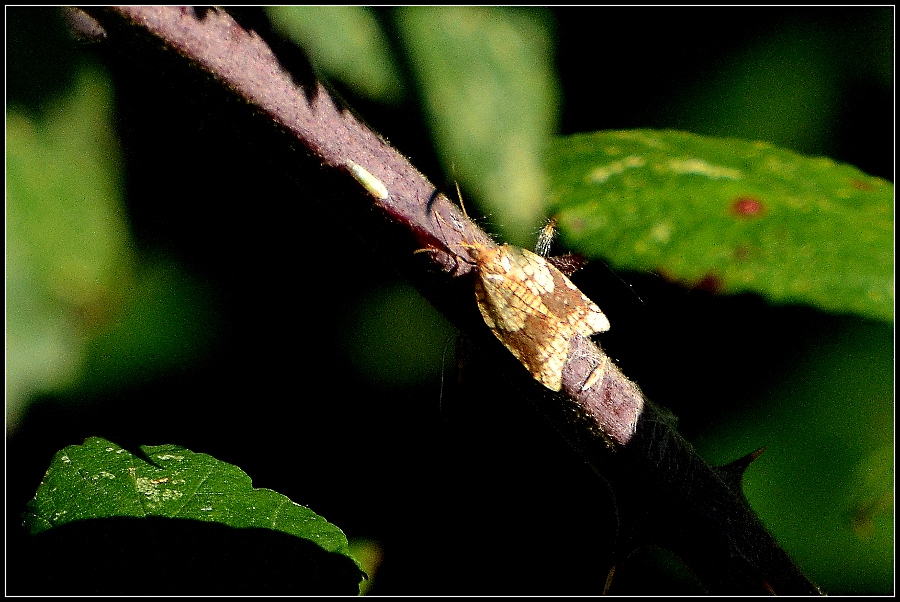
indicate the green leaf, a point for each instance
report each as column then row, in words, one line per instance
column 69, row 250
column 828, row 425
column 99, row 481
column 346, row 43
column 63, row 191
column 735, row 215
column 490, row 92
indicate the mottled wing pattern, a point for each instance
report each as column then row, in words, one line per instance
column 533, row 309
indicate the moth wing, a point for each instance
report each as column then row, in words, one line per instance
column 534, row 310
column 590, row 318
column 522, row 330
column 498, row 306
column 577, row 309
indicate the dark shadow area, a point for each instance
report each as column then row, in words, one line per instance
column 168, row 557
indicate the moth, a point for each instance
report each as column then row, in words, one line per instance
column 532, row 307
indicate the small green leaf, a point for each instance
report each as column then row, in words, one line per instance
column 345, row 42
column 487, row 79
column 740, row 216
column 100, row 480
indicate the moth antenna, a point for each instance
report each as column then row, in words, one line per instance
column 459, row 196
column 545, row 241
column 462, row 206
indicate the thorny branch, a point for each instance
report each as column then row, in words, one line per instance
column 633, row 444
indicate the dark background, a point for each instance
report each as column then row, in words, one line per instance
column 466, row 493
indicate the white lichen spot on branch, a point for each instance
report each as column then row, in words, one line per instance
column 373, row 185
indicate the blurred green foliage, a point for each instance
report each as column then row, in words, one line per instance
column 87, row 312
column 397, row 339
column 346, row 44
column 486, row 82
column 828, row 427
column 82, row 312
column 69, row 258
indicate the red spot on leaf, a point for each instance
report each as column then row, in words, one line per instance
column 860, row 185
column 709, row 283
column 746, row 207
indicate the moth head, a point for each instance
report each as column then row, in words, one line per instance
column 473, row 249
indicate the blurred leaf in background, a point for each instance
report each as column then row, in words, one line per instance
column 396, row 338
column 84, row 310
column 787, row 86
column 825, row 484
column 821, row 399
column 487, row 84
column 346, row 43
column 69, row 257
column 782, row 90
